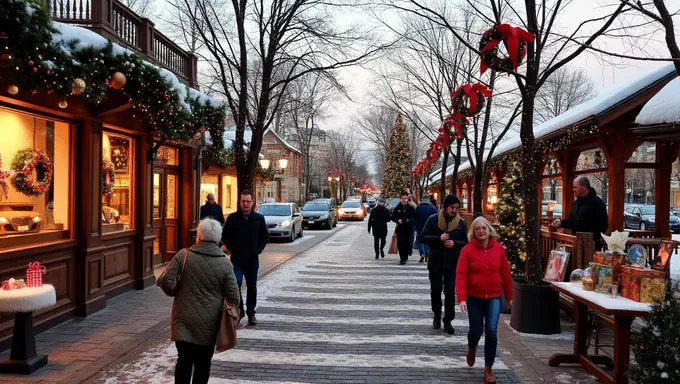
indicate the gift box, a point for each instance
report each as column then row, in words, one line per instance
column 603, row 275
column 598, row 257
column 588, row 284
column 34, row 274
column 643, row 285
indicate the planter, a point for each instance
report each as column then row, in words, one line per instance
column 504, row 303
column 535, row 308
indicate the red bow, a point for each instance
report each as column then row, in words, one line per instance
column 471, row 91
column 512, row 36
column 36, row 266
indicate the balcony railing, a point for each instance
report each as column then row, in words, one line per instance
column 113, row 20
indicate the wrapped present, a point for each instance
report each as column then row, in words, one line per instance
column 588, row 283
column 604, row 276
column 13, row 284
column 630, row 283
column 34, row 274
column 598, row 257
column 643, row 285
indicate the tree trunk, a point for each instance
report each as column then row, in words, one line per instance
column 442, row 179
column 477, row 188
column 529, row 181
column 670, row 32
column 456, row 166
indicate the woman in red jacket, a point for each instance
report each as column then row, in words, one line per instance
column 482, row 269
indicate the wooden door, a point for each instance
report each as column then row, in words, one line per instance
column 165, row 215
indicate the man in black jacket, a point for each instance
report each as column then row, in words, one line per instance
column 405, row 216
column 245, row 235
column 377, row 221
column 589, row 213
column 446, row 235
column 212, row 210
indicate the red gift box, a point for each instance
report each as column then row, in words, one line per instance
column 641, row 284
column 34, row 274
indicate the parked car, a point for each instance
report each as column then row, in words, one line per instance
column 643, row 217
column 283, row 220
column 319, row 214
column 351, row 210
column 372, row 203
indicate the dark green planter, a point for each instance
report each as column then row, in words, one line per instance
column 535, row 308
column 504, row 303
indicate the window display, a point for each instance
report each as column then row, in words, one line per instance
column 35, row 176
column 117, row 175
column 228, row 197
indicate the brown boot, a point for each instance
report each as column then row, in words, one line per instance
column 488, row 375
column 470, row 358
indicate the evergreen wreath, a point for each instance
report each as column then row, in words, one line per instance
column 469, row 99
column 24, row 163
column 108, row 177
column 516, row 41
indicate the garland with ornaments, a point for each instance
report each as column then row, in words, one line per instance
column 36, row 58
column 25, row 162
column 515, row 40
column 108, row 177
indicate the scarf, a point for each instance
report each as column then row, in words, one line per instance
column 443, row 225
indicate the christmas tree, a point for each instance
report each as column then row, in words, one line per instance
column 657, row 345
column 510, row 214
column 397, row 174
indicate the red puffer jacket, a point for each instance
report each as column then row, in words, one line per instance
column 481, row 272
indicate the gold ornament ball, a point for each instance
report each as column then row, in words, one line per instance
column 63, row 104
column 12, row 89
column 78, row 86
column 117, row 81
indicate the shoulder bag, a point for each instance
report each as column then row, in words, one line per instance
column 226, row 337
column 174, row 285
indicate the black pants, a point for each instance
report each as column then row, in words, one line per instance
column 249, row 271
column 193, row 356
column 404, row 244
column 446, row 279
column 379, row 244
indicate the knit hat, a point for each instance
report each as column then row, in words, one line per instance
column 450, row 199
column 425, row 197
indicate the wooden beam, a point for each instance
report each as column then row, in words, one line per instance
column 100, row 113
column 662, row 188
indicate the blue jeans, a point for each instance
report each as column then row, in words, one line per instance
column 249, row 270
column 483, row 315
column 424, row 249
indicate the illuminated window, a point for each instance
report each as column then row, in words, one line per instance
column 117, row 182
column 33, row 211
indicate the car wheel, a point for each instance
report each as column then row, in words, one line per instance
column 329, row 224
column 642, row 226
column 301, row 232
column 292, row 235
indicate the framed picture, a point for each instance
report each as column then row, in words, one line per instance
column 119, row 158
column 557, row 265
column 663, row 256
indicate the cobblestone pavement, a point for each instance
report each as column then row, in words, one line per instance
column 334, row 315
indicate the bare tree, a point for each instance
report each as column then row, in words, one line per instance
column 145, row 8
column 374, row 125
column 567, row 88
column 343, row 155
column 260, row 48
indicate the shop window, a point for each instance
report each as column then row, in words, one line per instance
column 492, row 192
column 209, row 184
column 645, row 153
column 464, row 192
column 551, row 196
column 639, row 186
column 167, row 155
column 35, row 205
column 599, row 181
column 591, row 159
column 228, row 197
column 117, row 182
column 552, row 167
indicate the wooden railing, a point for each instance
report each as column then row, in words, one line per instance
column 113, row 20
column 581, row 246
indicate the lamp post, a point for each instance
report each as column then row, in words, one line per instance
column 337, row 181
column 330, row 191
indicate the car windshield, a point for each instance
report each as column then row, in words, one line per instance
column 274, row 210
column 648, row 210
column 315, row 207
column 351, row 204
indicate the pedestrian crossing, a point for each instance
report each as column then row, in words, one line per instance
column 336, row 315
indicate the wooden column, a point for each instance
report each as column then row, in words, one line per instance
column 187, row 197
column 617, row 148
column 144, row 211
column 88, row 219
column 665, row 152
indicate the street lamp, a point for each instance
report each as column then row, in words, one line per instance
column 283, row 164
column 264, row 163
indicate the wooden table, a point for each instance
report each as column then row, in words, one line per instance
column 624, row 312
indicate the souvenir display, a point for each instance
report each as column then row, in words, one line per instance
column 637, row 254
column 588, row 284
column 598, row 257
column 664, row 254
column 557, row 265
column 604, row 276
column 576, row 276
column 643, row 285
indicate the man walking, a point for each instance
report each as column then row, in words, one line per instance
column 212, row 210
column 423, row 212
column 404, row 215
column 377, row 221
column 445, row 234
column 589, row 213
column 245, row 235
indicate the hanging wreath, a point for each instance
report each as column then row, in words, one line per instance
column 108, row 177
column 469, row 99
column 516, row 40
column 24, row 163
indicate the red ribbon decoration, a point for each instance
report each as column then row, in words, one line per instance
column 36, row 266
column 471, row 91
column 512, row 36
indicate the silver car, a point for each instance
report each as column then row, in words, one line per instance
column 283, row 220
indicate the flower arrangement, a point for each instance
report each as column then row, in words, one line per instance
column 24, row 163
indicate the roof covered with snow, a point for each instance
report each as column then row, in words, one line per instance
column 582, row 113
column 230, row 136
column 663, row 108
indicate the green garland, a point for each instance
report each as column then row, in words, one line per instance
column 25, row 162
column 37, row 62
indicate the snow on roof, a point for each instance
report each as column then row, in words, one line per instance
column 664, row 107
column 230, row 136
column 86, row 38
column 583, row 112
column 287, row 144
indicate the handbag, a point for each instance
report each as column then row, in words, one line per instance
column 226, row 337
column 174, row 285
column 393, row 245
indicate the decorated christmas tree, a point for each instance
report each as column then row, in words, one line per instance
column 510, row 214
column 657, row 345
column 397, row 173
